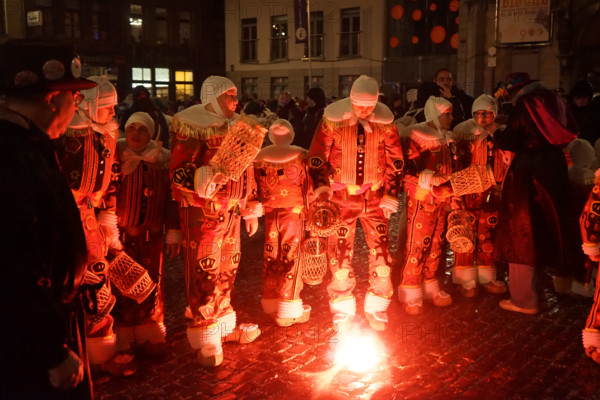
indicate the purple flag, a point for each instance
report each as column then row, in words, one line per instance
column 301, row 19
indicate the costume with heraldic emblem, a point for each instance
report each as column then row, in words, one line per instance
column 87, row 154
column 356, row 158
column 429, row 164
column 145, row 209
column 212, row 148
column 476, row 266
column 280, row 171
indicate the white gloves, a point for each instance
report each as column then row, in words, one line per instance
column 389, row 205
column 204, row 184
column 253, row 209
column 108, row 224
column 173, row 236
column 322, row 193
column 67, row 374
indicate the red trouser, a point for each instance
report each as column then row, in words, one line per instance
column 426, row 230
column 593, row 319
column 364, row 207
column 97, row 265
column 212, row 253
column 147, row 250
column 486, row 219
column 284, row 231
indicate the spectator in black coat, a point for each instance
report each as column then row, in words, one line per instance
column 288, row 110
column 42, row 244
column 314, row 113
column 461, row 102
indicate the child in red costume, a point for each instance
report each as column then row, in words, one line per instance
column 477, row 266
column 144, row 209
column 429, row 165
column 282, row 185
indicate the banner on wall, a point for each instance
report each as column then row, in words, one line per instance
column 301, row 21
column 524, row 22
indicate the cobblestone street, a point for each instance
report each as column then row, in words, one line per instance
column 470, row 350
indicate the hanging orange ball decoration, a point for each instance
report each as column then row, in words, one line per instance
column 454, row 41
column 438, row 34
column 397, row 11
column 414, row 39
column 417, row 15
column 394, row 42
column 432, row 7
column 454, row 5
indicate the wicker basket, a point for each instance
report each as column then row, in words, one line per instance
column 105, row 301
column 239, row 148
column 314, row 260
column 324, row 218
column 460, row 231
column 473, row 179
column 130, row 278
column 460, row 238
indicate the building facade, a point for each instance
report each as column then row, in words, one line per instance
column 263, row 58
column 167, row 46
column 171, row 46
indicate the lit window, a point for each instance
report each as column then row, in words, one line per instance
column 142, row 76
column 161, row 74
column 279, row 37
column 184, row 84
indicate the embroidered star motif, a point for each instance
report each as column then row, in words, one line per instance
column 193, row 244
column 273, row 234
column 283, row 192
column 231, row 240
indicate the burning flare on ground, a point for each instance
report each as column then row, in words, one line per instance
column 358, row 352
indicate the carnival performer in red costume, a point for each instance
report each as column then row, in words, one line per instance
column 87, row 154
column 355, row 159
column 280, row 171
column 145, row 209
column 212, row 203
column 477, row 266
column 590, row 233
column 429, row 164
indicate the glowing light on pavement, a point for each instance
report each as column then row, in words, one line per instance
column 358, row 352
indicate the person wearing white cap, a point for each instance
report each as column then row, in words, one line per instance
column 280, row 171
column 87, row 154
column 429, row 165
column 144, row 209
column 211, row 203
column 477, row 266
column 356, row 160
